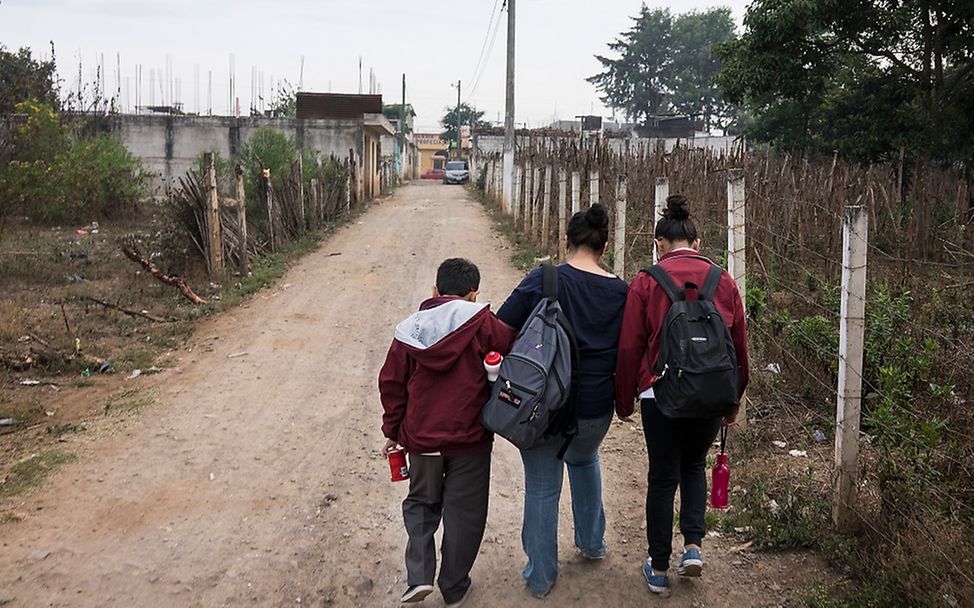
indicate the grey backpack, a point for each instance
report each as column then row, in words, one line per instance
column 533, row 397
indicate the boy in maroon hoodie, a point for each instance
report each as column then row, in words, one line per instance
column 433, row 386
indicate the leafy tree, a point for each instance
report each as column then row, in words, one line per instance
column 666, row 62
column 468, row 116
column 862, row 79
column 22, row 79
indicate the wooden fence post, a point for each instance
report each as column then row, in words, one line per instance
column 852, row 327
column 299, row 176
column 576, row 191
column 736, row 258
column 662, row 191
column 315, row 202
column 562, row 212
column 593, row 188
column 269, row 202
column 546, row 209
column 619, row 256
column 242, row 222
column 213, row 226
column 348, row 190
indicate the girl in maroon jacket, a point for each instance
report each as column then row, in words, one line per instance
column 677, row 447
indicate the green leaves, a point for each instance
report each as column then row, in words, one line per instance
column 667, row 63
column 468, row 116
column 861, row 78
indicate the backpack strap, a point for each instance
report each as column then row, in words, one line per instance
column 665, row 282
column 549, row 282
column 709, row 291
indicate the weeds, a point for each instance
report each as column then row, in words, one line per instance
column 30, row 473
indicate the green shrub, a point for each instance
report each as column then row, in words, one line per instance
column 56, row 174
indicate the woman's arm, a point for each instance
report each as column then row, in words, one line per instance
column 633, row 338
column 515, row 310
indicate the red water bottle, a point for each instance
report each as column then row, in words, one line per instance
column 397, row 464
column 720, row 476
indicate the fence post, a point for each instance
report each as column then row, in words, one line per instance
column 662, row 191
column 546, row 209
column 619, row 257
column 516, row 194
column 214, row 231
column 269, row 202
column 316, row 202
column 593, row 188
column 299, row 176
column 562, row 212
column 736, row 258
column 242, row 222
column 852, row 328
column 576, row 191
column 535, row 182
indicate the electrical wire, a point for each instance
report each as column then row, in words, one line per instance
column 485, row 57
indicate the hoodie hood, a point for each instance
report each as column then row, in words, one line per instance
column 439, row 333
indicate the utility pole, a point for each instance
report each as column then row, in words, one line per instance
column 509, row 110
column 458, row 120
column 402, row 130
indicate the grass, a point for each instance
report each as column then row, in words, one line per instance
column 130, row 400
column 31, row 473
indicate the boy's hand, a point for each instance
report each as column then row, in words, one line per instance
column 388, row 446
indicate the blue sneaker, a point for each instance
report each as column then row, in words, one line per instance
column 658, row 583
column 692, row 563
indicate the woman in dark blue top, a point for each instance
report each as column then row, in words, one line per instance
column 593, row 301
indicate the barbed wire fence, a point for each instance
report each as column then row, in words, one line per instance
column 900, row 410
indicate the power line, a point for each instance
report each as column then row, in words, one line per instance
column 485, row 56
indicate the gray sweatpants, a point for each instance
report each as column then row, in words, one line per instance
column 456, row 490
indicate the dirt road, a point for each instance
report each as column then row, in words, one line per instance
column 255, row 480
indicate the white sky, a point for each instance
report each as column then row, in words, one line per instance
column 433, row 43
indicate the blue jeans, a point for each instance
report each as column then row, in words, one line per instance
column 543, row 475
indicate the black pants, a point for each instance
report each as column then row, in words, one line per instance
column 677, row 457
column 454, row 489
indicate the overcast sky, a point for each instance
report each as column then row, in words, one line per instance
column 433, row 43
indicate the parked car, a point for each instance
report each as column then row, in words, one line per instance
column 457, row 172
column 433, row 174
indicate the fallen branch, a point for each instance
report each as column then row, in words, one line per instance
column 128, row 311
column 133, row 254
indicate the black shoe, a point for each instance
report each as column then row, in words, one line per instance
column 416, row 593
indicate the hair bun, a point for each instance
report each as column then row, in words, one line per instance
column 597, row 216
column 677, row 207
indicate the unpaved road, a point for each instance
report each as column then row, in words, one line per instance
column 255, row 480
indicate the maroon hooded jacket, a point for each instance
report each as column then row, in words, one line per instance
column 643, row 317
column 433, row 384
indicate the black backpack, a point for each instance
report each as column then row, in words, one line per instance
column 697, row 374
column 534, row 395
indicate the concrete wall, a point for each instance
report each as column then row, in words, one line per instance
column 170, row 145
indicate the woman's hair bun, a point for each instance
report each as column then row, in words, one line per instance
column 597, row 216
column 677, row 207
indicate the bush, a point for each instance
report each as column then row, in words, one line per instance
column 57, row 175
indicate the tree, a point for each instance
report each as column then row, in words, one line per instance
column 286, row 101
column 864, row 80
column 468, row 116
column 22, row 79
column 666, row 62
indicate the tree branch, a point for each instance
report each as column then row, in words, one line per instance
column 133, row 254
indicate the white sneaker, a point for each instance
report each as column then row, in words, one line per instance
column 416, row 593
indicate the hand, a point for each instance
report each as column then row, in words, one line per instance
column 390, row 444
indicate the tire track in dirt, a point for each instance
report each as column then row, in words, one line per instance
column 256, row 480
